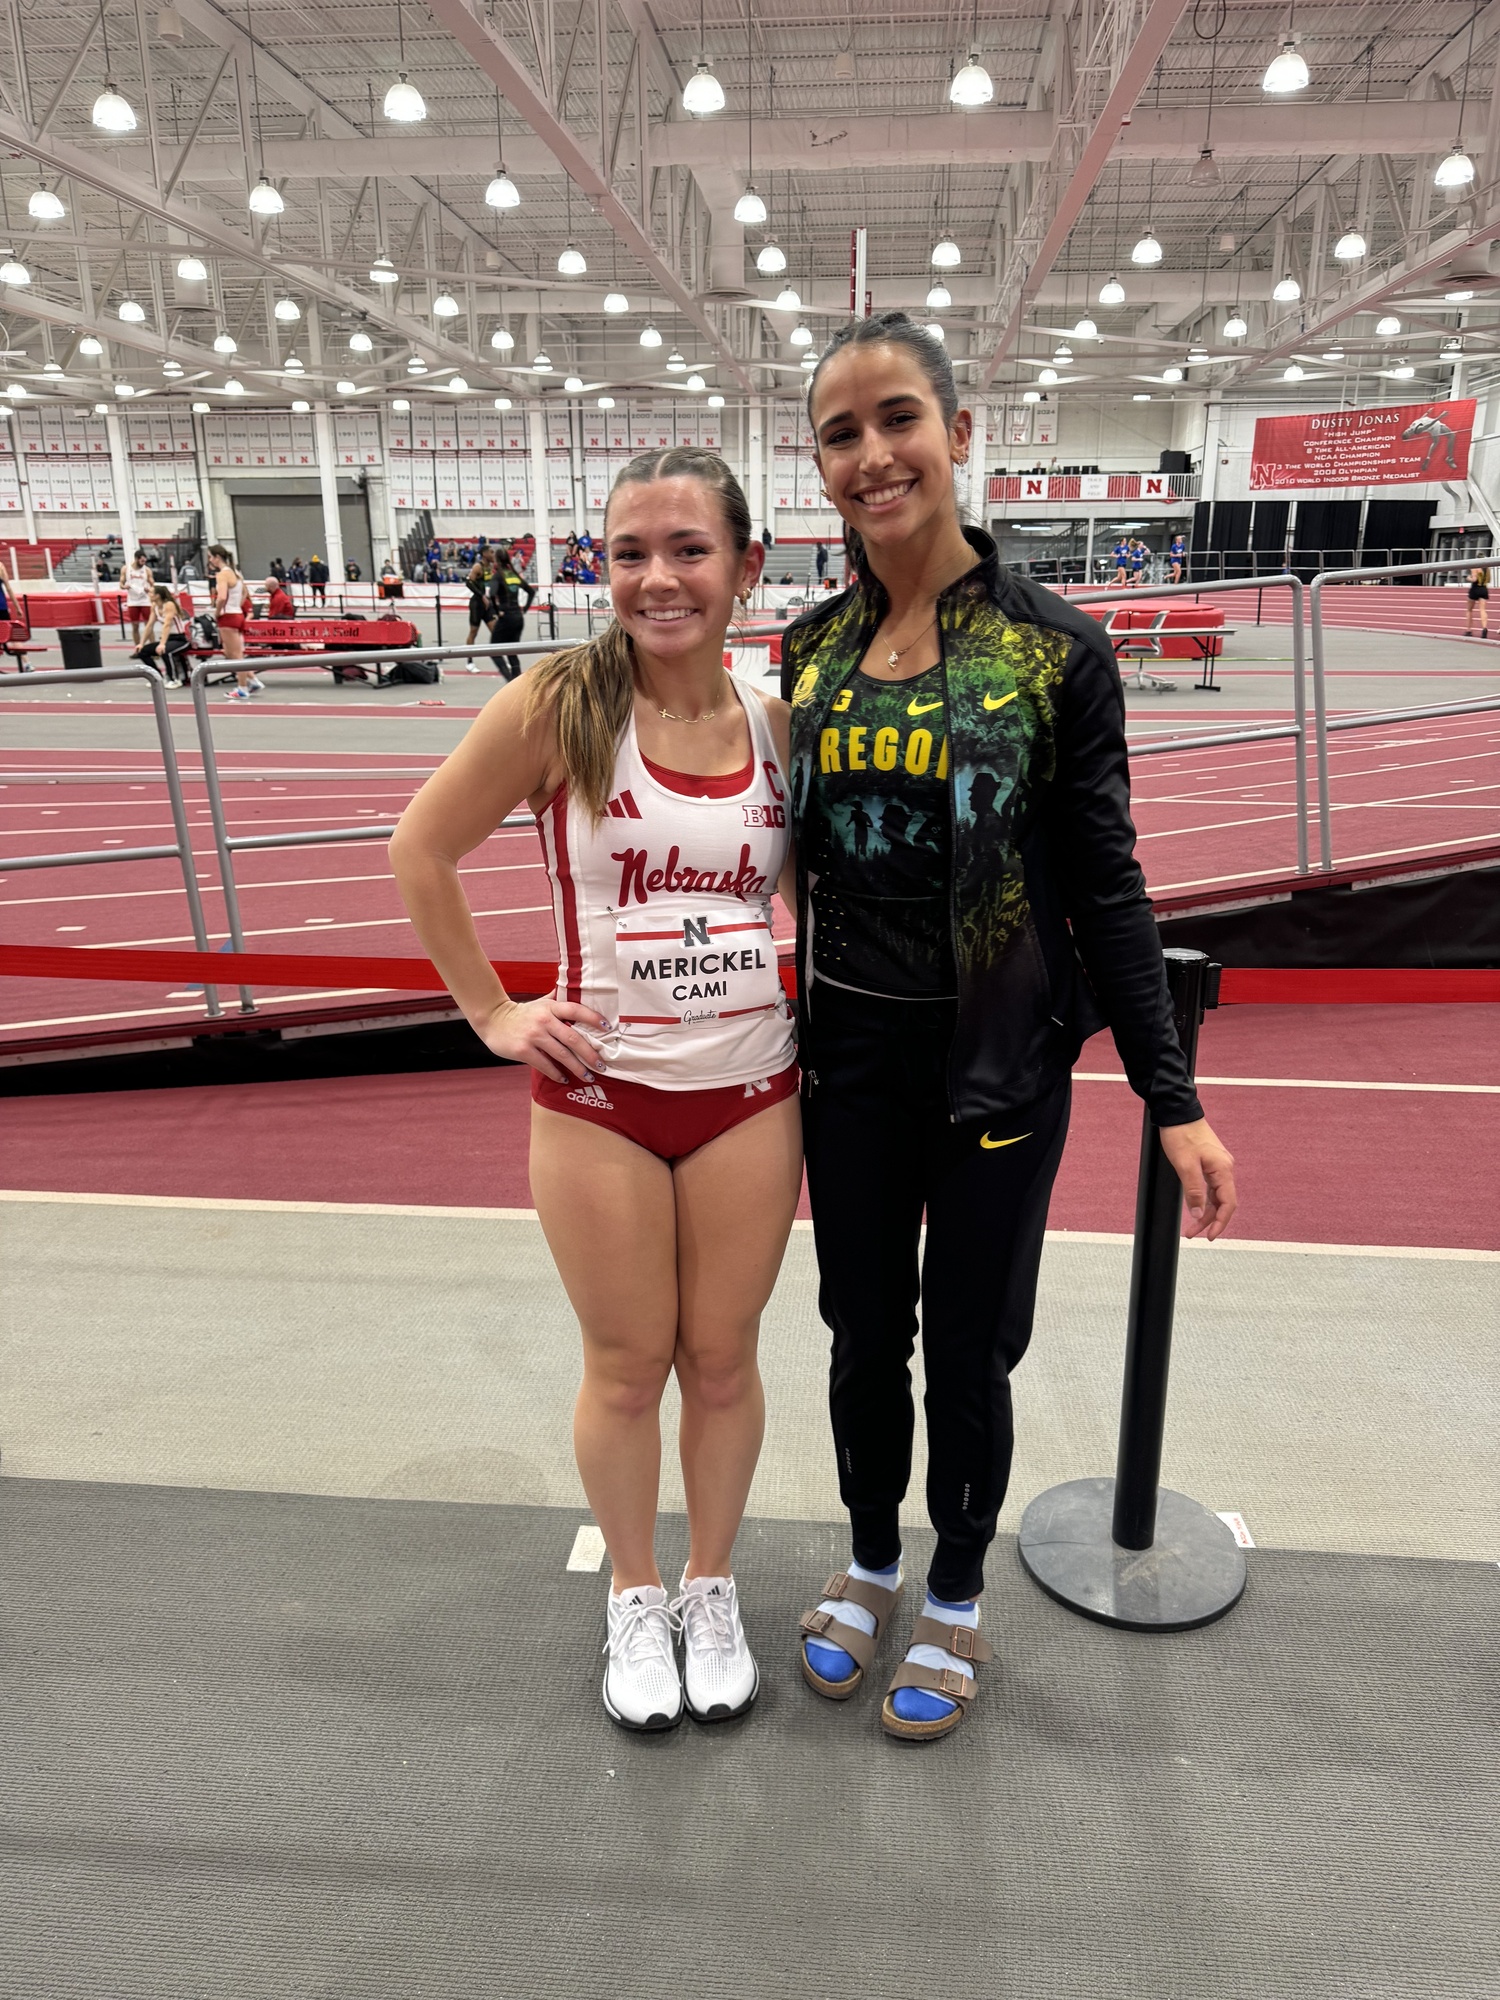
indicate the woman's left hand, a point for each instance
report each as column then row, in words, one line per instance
column 1206, row 1170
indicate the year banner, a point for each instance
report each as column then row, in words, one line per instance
column 1396, row 446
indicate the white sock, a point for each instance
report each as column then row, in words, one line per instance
column 855, row 1614
column 945, row 1614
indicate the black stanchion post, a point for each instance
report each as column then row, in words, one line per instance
column 1127, row 1550
column 438, row 600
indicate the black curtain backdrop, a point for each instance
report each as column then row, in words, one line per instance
column 1231, row 532
column 1268, row 535
column 1325, row 535
column 1397, row 531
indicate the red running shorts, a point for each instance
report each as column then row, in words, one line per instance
column 669, row 1123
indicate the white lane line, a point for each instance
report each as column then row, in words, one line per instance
column 295, row 930
column 587, row 1552
column 153, row 1013
column 1305, row 1083
column 271, row 882
column 1424, row 1252
column 1344, row 861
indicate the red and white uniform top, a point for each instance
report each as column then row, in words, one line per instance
column 664, row 917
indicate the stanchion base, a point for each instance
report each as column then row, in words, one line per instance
column 1193, row 1572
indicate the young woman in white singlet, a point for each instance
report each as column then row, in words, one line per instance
column 665, row 1143
column 231, row 608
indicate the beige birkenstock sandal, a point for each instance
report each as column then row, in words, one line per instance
column 964, row 1643
column 827, row 1625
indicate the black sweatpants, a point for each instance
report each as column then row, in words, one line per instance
column 509, row 624
column 880, row 1150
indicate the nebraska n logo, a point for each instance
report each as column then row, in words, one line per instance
column 695, row 931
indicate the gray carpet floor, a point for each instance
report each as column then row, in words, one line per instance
column 262, row 1745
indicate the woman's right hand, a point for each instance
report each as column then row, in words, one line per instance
column 546, row 1034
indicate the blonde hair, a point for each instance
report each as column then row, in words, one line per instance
column 590, row 687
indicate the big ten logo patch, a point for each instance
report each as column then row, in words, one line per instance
column 765, row 815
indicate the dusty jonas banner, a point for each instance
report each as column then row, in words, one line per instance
column 1394, row 446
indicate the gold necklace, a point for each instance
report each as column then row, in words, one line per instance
column 897, row 653
column 667, row 715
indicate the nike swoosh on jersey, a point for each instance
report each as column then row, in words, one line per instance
column 993, row 1145
column 990, row 702
column 915, row 707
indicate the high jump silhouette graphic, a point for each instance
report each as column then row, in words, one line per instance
column 1440, row 438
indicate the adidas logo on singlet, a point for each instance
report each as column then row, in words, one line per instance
column 624, row 807
column 592, row 1096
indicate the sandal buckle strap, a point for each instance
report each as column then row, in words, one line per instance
column 952, row 1682
column 816, row 1622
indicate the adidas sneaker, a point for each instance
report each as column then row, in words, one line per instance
column 721, row 1677
column 642, row 1687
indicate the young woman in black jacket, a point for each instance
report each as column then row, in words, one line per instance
column 969, row 910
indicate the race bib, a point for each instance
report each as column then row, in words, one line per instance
column 678, row 966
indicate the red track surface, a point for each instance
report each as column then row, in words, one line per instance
column 1315, row 1164
column 1205, row 817
column 1435, row 610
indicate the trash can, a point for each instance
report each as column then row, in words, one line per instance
column 80, row 646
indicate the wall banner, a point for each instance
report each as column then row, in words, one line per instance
column 1400, row 445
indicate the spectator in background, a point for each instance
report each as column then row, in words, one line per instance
column 352, row 571
column 278, row 569
column 137, row 579
column 298, row 571
column 392, row 583
column 278, row 599
column 820, row 562
column 1177, row 556
column 317, row 578
column 1479, row 601
column 164, row 644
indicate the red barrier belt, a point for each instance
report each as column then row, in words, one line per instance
column 1296, row 986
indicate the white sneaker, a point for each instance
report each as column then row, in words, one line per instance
column 256, row 684
column 721, row 1676
column 642, row 1687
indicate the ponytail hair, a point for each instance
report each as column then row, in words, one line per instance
column 896, row 330
column 589, row 688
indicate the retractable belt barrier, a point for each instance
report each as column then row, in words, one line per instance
column 1260, row 986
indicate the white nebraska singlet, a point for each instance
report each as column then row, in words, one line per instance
column 664, row 920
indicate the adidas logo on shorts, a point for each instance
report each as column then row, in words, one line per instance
column 592, row 1096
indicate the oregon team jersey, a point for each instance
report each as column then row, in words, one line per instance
column 879, row 847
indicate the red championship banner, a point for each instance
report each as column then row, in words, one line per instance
column 1396, row 446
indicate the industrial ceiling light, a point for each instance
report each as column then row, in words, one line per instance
column 90, row 345
column 172, row 368
column 416, row 365
column 1205, row 170
column 972, row 86
column 843, row 70
column 1286, row 290
column 573, row 385
column 1334, row 354
column 111, row 113
column 1458, row 298
column 287, row 310
column 1388, row 326
column 44, row 206
column 695, row 383
column 265, row 198
column 1111, row 292
column 675, row 363
column 128, row 388
column 225, row 343
column 445, row 306
column 1031, row 395
column 946, row 255
column 1350, row 247
column 346, row 388
column 14, row 273
column 936, row 331
column 1171, row 374
column 800, row 336
column 199, row 409
column 1062, row 354
column 789, row 299
column 360, row 342
column 1197, row 351
column 503, row 338
column 17, row 391
column 541, row 363
column 616, row 302
column 1086, row 329
column 1143, row 397
column 169, row 26
column 716, row 401
column 1047, row 376
column 1148, row 250
column 1236, row 326
column 1292, row 373
column 299, row 409
column 502, row 402
column 400, row 405
column 292, row 365
column 404, row 103
column 1403, row 371
column 1453, row 345
column 1456, row 171
column 458, row 385
column 131, row 311
column 384, row 272
column 650, row 337
column 572, row 263
column 1286, row 72
column 502, row 191
column 939, row 298
column 703, row 94
column 606, row 402
column 770, row 259
column 750, row 209
column 232, row 387
column 809, row 360
column 51, row 366
column 192, row 270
